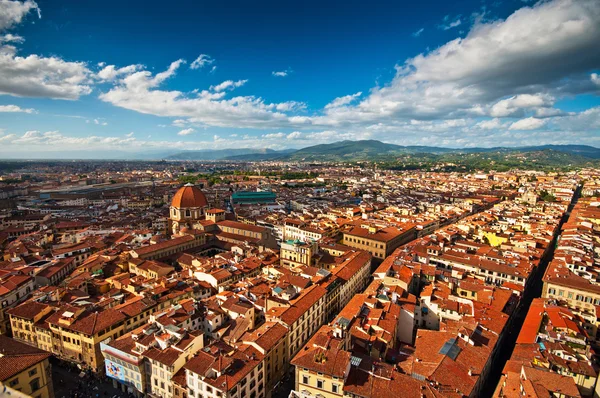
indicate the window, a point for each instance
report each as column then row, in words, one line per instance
column 35, row 384
column 334, row 388
column 320, row 383
column 305, row 380
column 14, row 382
column 33, row 372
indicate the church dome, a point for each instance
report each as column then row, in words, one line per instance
column 189, row 196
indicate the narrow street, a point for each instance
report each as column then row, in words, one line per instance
column 533, row 291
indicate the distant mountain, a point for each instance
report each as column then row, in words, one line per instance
column 224, row 154
column 373, row 149
column 340, row 151
column 346, row 150
column 259, row 157
column 360, row 150
column 580, row 150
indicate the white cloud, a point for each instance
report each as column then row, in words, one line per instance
column 15, row 108
column 588, row 120
column 290, row 106
column 110, row 72
column 186, row 131
column 13, row 12
column 274, row 135
column 595, row 78
column 179, row 123
column 54, row 139
column 139, row 91
column 228, row 84
column 129, row 134
column 529, row 123
column 100, row 122
column 10, row 38
column 491, row 124
column 418, row 32
column 295, row 135
column 544, row 51
column 35, row 76
column 450, row 23
column 202, row 61
column 341, row 101
column 517, row 104
column 282, row 73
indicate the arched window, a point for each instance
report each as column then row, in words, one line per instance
column 187, row 213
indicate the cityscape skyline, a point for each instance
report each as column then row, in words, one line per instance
column 82, row 77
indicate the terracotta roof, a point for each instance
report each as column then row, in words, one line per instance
column 27, row 310
column 189, row 196
column 307, row 300
column 15, row 357
column 241, row 225
column 89, row 323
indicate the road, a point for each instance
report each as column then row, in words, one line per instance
column 533, row 291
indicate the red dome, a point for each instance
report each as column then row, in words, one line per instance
column 189, row 196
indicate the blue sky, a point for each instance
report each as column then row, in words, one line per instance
column 141, row 76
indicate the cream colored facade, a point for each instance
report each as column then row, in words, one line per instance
column 159, row 375
column 23, row 329
column 318, row 385
column 581, row 302
column 295, row 253
column 378, row 246
column 82, row 348
column 35, row 381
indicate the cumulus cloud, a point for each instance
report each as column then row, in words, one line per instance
column 34, row 75
column 202, row 61
column 491, row 124
column 501, row 80
column 588, row 120
column 186, row 131
column 228, row 84
column 10, row 38
column 110, row 72
column 529, row 123
column 516, row 105
column 538, row 53
column 13, row 12
column 341, row 101
column 15, row 108
column 140, row 92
